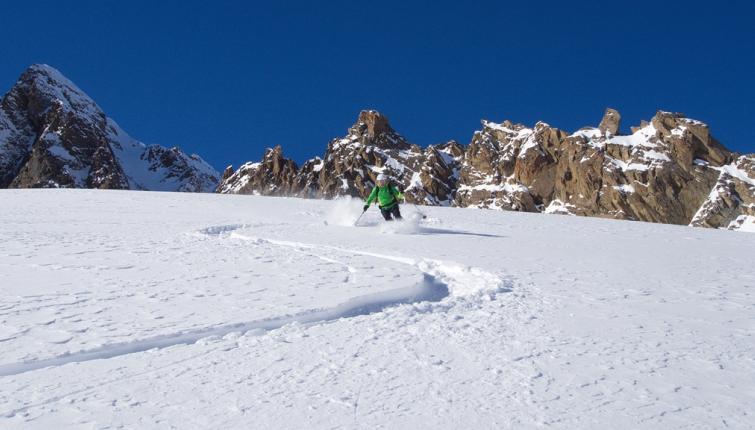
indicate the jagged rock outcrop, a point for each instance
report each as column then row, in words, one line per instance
column 669, row 170
column 351, row 164
column 611, row 122
column 510, row 166
column 274, row 175
column 660, row 173
column 53, row 135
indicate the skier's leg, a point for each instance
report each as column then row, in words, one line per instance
column 396, row 212
column 386, row 214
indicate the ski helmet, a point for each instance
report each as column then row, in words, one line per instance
column 381, row 179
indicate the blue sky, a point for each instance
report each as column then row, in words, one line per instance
column 226, row 79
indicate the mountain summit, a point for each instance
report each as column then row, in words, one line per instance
column 52, row 134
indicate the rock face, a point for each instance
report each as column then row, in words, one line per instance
column 669, row 170
column 53, row 135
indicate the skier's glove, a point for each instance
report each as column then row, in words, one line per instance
column 364, row 209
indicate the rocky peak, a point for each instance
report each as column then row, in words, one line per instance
column 371, row 124
column 452, row 148
column 66, row 131
column 44, row 90
column 669, row 120
column 506, row 126
column 276, row 162
column 611, row 121
column 676, row 124
column 273, row 153
column 689, row 139
column 274, row 175
column 372, row 129
column 52, row 134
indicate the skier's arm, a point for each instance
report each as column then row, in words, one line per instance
column 372, row 196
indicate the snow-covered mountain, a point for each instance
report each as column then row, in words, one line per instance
column 208, row 311
column 53, row 135
column 669, row 170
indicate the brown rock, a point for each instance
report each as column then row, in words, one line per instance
column 611, row 121
column 227, row 173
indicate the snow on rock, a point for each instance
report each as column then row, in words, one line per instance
column 624, row 188
column 731, row 201
column 156, row 168
column 153, row 310
column 560, row 208
column 743, row 223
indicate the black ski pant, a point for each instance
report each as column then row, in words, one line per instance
column 393, row 210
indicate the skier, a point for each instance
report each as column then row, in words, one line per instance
column 387, row 196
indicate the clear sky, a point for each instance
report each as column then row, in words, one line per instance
column 225, row 79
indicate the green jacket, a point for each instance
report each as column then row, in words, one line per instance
column 387, row 197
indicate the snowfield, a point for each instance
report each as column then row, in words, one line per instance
column 147, row 310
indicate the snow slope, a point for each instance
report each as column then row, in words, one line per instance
column 159, row 310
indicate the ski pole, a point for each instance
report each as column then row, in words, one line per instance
column 360, row 217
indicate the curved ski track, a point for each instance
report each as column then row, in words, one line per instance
column 439, row 282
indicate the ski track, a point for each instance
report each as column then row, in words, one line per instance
column 440, row 281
